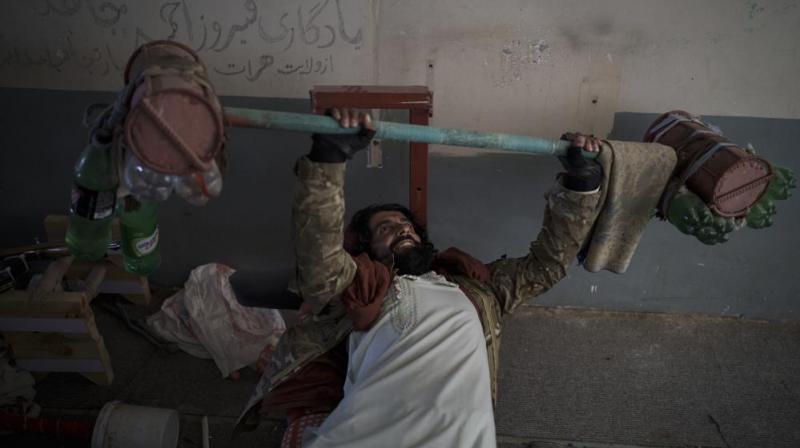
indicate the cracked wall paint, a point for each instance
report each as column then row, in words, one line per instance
column 519, row 56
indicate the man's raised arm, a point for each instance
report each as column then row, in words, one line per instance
column 568, row 218
column 324, row 268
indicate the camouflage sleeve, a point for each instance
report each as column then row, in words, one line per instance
column 568, row 219
column 324, row 268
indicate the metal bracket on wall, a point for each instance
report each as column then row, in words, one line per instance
column 418, row 100
column 375, row 154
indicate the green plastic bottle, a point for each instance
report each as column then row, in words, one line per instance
column 94, row 193
column 139, row 228
column 762, row 213
column 691, row 215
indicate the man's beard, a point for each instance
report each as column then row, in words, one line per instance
column 416, row 260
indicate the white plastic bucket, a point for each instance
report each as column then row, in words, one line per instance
column 121, row 425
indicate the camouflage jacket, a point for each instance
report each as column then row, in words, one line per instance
column 325, row 269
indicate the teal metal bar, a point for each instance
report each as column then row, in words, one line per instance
column 288, row 121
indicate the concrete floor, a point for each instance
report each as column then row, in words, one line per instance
column 644, row 379
column 569, row 378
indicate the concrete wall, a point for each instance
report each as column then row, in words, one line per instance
column 519, row 66
column 276, row 48
column 530, row 67
column 541, row 66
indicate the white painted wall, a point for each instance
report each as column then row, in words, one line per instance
column 276, row 48
column 532, row 67
column 536, row 66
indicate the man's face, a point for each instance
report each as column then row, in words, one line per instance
column 392, row 234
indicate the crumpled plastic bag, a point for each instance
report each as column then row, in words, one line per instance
column 205, row 320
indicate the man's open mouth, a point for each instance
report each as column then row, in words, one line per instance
column 403, row 243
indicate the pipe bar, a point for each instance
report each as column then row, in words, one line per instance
column 288, row 121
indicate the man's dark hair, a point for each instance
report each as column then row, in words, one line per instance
column 417, row 262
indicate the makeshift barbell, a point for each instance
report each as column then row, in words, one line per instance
column 175, row 125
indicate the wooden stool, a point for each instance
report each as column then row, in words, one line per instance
column 54, row 331
column 117, row 281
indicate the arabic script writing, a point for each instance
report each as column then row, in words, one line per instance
column 249, row 42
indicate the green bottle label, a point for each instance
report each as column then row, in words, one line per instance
column 93, row 205
column 146, row 245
